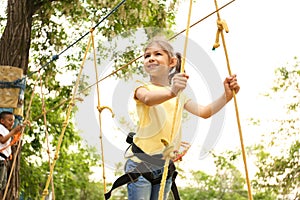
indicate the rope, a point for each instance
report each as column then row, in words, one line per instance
column 100, row 109
column 19, row 144
column 70, row 107
column 15, row 139
column 56, row 106
column 221, row 26
column 174, row 36
column 56, row 57
column 46, row 131
column 169, row 149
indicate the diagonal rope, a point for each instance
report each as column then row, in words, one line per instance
column 174, row 36
column 66, row 122
column 170, row 148
column 56, row 57
column 56, row 106
column 222, row 25
column 19, row 144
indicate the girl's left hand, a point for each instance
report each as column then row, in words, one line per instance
column 230, row 85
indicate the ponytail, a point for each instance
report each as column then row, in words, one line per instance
column 177, row 68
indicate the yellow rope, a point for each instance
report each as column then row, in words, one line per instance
column 100, row 109
column 56, row 106
column 174, row 36
column 19, row 144
column 46, row 132
column 222, row 25
column 70, row 108
column 170, row 148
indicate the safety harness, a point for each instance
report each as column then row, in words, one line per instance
column 143, row 169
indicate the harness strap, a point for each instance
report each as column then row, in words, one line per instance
column 174, row 188
column 3, row 156
column 155, row 159
column 142, row 169
column 130, row 177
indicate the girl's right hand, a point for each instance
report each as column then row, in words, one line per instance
column 179, row 83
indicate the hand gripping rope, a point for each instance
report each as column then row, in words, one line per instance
column 137, row 58
column 221, row 26
column 169, row 149
column 19, row 145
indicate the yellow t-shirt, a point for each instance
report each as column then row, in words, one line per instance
column 156, row 122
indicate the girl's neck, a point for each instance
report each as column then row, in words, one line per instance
column 159, row 82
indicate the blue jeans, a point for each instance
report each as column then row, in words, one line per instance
column 142, row 189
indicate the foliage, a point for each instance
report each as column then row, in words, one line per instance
column 227, row 183
column 279, row 156
column 71, row 177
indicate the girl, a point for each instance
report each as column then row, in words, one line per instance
column 156, row 104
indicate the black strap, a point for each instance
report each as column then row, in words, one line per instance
column 134, row 175
column 3, row 155
column 174, row 188
column 142, row 169
column 155, row 159
column 122, row 180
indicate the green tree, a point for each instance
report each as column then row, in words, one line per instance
column 35, row 30
column 226, row 183
column 278, row 155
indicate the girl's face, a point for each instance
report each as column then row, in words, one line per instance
column 157, row 61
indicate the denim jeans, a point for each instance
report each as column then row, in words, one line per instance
column 142, row 189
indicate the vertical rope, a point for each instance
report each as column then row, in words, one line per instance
column 19, row 144
column 221, row 25
column 65, row 123
column 99, row 112
column 46, row 132
column 169, row 149
column 99, row 115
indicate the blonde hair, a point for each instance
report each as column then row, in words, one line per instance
column 168, row 48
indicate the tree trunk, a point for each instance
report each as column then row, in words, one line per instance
column 15, row 41
column 14, row 51
column 14, row 184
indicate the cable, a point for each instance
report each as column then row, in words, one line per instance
column 56, row 57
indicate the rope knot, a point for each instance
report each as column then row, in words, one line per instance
column 101, row 108
column 221, row 24
column 168, row 151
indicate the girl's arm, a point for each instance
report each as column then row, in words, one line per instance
column 230, row 85
column 150, row 98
